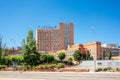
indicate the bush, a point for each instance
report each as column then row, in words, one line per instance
column 98, row 69
column 117, row 69
column 109, row 68
column 20, row 68
column 60, row 65
column 106, row 69
column 52, row 66
column 40, row 67
column 28, row 67
column 3, row 67
column 37, row 67
column 76, row 63
column 45, row 66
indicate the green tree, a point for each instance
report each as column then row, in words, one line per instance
column 61, row 56
column 30, row 55
column 3, row 51
column 109, row 55
column 103, row 55
column 43, row 58
column 50, row 58
column 70, row 60
column 77, row 55
column 87, row 55
column 8, row 60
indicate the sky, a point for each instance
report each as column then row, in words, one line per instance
column 88, row 16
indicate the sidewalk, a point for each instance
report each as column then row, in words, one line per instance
column 18, row 79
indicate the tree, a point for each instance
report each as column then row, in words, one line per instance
column 61, row 56
column 77, row 55
column 87, row 55
column 50, row 58
column 103, row 55
column 47, row 58
column 30, row 55
column 43, row 58
column 109, row 55
column 70, row 60
column 3, row 51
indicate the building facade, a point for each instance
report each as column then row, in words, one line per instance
column 54, row 38
column 66, row 35
column 113, row 48
column 107, row 45
column 94, row 48
column 14, row 52
column 47, row 39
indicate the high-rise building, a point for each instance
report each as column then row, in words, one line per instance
column 52, row 38
column 66, row 35
column 47, row 39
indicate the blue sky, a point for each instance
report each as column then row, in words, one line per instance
column 18, row 16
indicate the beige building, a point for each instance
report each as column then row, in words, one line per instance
column 93, row 47
column 114, row 48
column 52, row 38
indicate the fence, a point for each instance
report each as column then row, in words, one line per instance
column 99, row 63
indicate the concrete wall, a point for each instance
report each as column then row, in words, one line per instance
column 100, row 63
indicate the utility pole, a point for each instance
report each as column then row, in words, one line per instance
column 14, row 43
column 93, row 29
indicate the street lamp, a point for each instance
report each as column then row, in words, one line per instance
column 93, row 29
column 13, row 42
column 14, row 62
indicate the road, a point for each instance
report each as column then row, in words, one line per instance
column 59, row 75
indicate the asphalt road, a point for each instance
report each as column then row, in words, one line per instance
column 59, row 75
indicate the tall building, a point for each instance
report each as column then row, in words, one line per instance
column 66, row 35
column 52, row 38
column 47, row 39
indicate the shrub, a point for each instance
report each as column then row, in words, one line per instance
column 60, row 65
column 117, row 69
column 40, row 67
column 37, row 67
column 3, row 67
column 28, row 67
column 45, row 66
column 20, row 68
column 109, row 68
column 76, row 63
column 52, row 66
column 104, row 69
column 98, row 69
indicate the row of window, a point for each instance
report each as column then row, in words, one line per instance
column 111, row 50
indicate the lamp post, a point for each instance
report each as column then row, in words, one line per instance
column 14, row 62
column 13, row 42
column 93, row 29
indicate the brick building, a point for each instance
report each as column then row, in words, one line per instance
column 52, row 38
column 94, row 48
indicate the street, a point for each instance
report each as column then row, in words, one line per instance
column 11, row 75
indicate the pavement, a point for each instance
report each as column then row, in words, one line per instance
column 13, row 75
column 15, row 79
